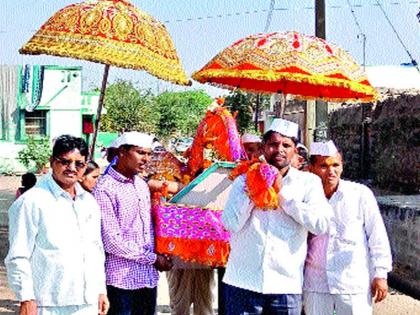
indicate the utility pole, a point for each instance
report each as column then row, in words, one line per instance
column 320, row 19
column 321, row 107
column 316, row 111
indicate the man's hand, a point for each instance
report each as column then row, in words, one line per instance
column 379, row 289
column 103, row 304
column 278, row 184
column 28, row 308
column 163, row 262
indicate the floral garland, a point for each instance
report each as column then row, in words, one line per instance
column 261, row 183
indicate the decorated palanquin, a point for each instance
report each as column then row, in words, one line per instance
column 166, row 166
column 216, row 139
column 189, row 226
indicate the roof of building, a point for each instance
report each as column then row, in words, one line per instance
column 394, row 77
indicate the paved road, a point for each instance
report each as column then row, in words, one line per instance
column 395, row 304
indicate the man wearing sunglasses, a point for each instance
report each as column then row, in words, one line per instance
column 55, row 263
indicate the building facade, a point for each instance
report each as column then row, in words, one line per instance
column 41, row 102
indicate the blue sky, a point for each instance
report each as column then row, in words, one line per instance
column 199, row 40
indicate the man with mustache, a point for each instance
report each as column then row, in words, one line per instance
column 55, row 263
column 127, row 231
column 264, row 273
column 348, row 265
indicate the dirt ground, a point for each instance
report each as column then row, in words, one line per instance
column 395, row 304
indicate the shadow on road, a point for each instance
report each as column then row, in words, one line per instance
column 8, row 307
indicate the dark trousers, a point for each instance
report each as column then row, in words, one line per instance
column 131, row 302
column 244, row 302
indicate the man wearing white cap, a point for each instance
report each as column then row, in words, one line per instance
column 264, row 273
column 348, row 265
column 252, row 145
column 300, row 159
column 131, row 264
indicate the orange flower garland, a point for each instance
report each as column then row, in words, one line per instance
column 261, row 182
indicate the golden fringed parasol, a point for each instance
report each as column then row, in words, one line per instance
column 289, row 63
column 112, row 32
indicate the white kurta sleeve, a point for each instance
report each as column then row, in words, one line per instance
column 238, row 206
column 100, row 253
column 377, row 238
column 22, row 233
column 314, row 212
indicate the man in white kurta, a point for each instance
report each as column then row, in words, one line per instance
column 348, row 265
column 55, row 263
column 264, row 273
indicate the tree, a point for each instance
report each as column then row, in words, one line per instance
column 181, row 112
column 241, row 103
column 129, row 109
column 36, row 153
column 245, row 104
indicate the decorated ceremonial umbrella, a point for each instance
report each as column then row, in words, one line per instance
column 112, row 32
column 289, row 63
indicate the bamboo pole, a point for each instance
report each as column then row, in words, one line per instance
column 99, row 111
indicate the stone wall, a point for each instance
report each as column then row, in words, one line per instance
column 381, row 142
column 345, row 128
column 401, row 216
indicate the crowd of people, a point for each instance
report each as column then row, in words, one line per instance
column 83, row 243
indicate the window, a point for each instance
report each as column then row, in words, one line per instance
column 36, row 123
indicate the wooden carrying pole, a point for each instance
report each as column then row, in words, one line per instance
column 99, row 111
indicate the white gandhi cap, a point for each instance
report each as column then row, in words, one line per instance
column 138, row 139
column 250, row 138
column 285, row 128
column 323, row 148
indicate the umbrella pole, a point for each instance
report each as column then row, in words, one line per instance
column 280, row 106
column 257, row 112
column 99, row 111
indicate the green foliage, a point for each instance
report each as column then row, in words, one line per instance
column 241, row 103
column 129, row 109
column 167, row 114
column 36, row 153
column 181, row 112
column 245, row 105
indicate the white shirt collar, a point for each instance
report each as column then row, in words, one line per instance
column 58, row 191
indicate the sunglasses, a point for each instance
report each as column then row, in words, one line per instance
column 65, row 162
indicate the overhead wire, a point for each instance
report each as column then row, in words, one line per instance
column 269, row 16
column 259, row 11
column 361, row 33
column 255, row 11
column 413, row 61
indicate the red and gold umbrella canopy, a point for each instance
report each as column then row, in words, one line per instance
column 112, row 32
column 289, row 63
